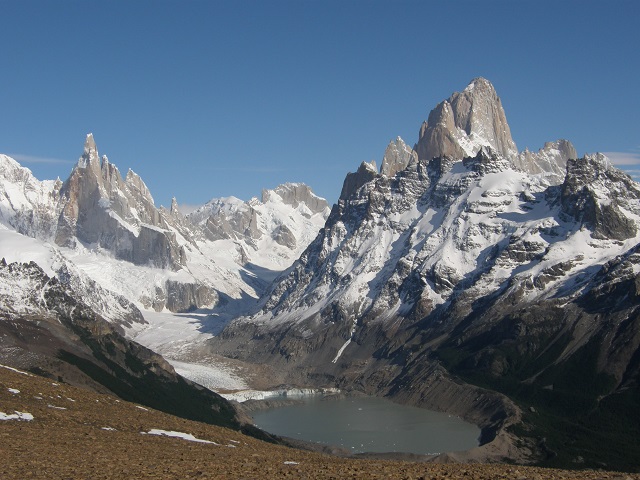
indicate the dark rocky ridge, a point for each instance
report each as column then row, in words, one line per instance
column 588, row 197
column 45, row 329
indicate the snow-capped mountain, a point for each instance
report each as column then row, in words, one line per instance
column 463, row 256
column 461, row 261
column 104, row 230
column 271, row 232
column 462, row 211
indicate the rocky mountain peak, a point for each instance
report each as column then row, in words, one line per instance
column 353, row 181
column 486, row 161
column 480, row 84
column 137, row 186
column 460, row 125
column 396, row 157
column 90, row 153
column 99, row 207
column 294, row 194
column 593, row 193
column 550, row 161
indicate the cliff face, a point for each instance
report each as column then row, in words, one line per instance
column 102, row 208
column 397, row 157
column 464, row 122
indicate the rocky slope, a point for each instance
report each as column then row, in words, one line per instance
column 469, row 259
column 46, row 328
column 104, row 437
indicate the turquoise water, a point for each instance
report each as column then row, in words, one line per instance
column 369, row 424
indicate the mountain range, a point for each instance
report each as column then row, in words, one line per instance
column 463, row 275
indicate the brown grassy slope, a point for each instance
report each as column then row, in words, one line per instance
column 67, row 439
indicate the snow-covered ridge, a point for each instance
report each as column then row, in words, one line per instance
column 464, row 227
column 109, row 227
column 271, row 232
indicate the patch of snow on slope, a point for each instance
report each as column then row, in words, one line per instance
column 25, row 416
column 182, row 435
column 16, row 370
column 18, row 248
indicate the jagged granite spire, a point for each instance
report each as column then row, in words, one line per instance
column 90, row 152
column 396, row 157
column 460, row 125
column 353, row 181
column 99, row 207
column 175, row 210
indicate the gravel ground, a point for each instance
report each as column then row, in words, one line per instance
column 78, row 434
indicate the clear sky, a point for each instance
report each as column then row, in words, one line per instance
column 207, row 99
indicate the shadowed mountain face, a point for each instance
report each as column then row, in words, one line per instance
column 471, row 259
column 47, row 329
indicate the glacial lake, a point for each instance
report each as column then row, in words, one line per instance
column 369, row 424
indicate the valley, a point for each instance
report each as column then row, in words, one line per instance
column 463, row 276
column 117, row 439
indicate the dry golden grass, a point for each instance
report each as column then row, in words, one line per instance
column 78, row 434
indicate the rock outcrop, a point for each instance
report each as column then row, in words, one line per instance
column 550, row 161
column 397, row 157
column 101, row 208
column 353, row 181
column 594, row 192
column 295, row 194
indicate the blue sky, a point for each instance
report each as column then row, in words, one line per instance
column 206, row 99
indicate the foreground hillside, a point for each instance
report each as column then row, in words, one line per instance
column 50, row 430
